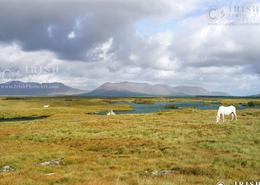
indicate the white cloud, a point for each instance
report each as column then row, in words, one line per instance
column 49, row 31
column 71, row 35
column 101, row 52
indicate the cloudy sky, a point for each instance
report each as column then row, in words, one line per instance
column 84, row 43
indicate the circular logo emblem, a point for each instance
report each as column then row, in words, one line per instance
column 215, row 13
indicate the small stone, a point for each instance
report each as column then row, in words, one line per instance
column 7, row 168
column 159, row 173
column 55, row 162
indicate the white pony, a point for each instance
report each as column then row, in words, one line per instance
column 45, row 106
column 111, row 113
column 222, row 111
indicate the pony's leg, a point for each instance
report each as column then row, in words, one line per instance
column 235, row 115
column 223, row 117
column 232, row 118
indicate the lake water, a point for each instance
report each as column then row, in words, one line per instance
column 160, row 106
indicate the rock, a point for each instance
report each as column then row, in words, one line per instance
column 158, row 173
column 54, row 162
column 7, row 168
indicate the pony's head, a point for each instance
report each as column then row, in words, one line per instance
column 217, row 118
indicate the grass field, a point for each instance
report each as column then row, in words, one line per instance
column 125, row 149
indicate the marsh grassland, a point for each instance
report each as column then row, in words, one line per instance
column 124, row 149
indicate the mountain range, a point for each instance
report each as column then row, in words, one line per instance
column 145, row 89
column 18, row 88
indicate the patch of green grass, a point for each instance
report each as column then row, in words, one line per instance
column 253, row 103
column 171, row 106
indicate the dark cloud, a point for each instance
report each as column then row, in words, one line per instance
column 39, row 25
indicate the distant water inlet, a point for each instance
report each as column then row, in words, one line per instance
column 139, row 108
